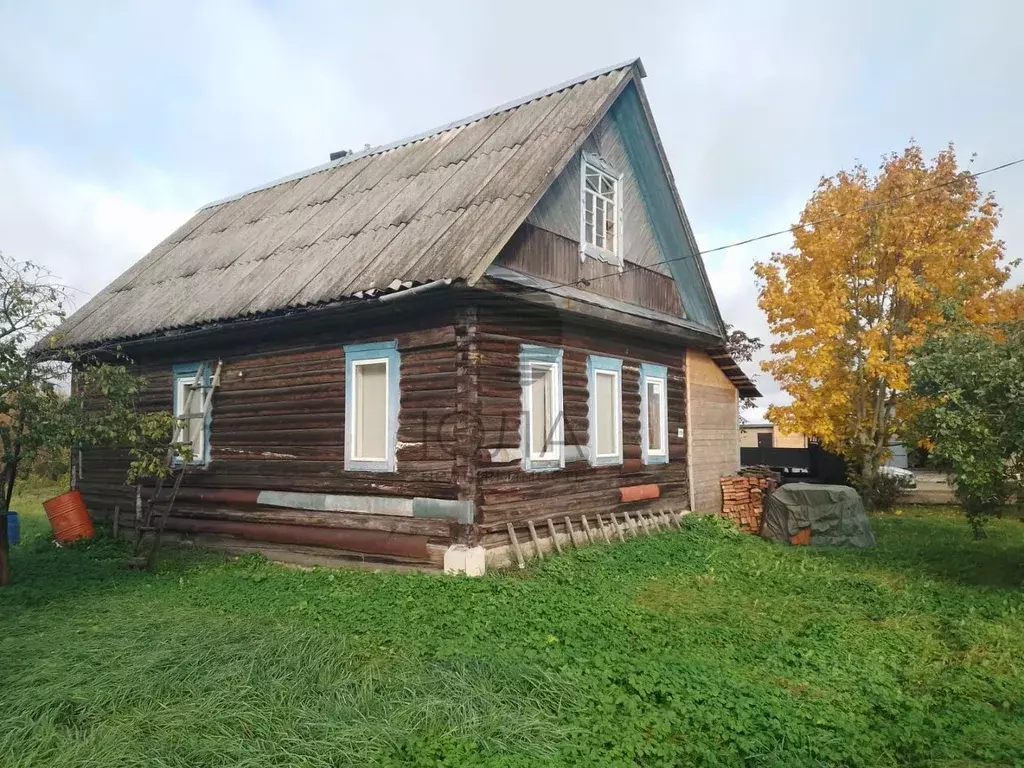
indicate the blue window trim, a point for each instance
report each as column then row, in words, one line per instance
column 385, row 350
column 596, row 363
column 189, row 371
column 652, row 371
column 532, row 353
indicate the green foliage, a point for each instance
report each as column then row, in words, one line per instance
column 880, row 491
column 103, row 411
column 970, row 384
column 38, row 418
column 698, row 647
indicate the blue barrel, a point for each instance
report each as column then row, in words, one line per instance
column 13, row 528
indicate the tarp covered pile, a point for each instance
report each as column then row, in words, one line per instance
column 820, row 515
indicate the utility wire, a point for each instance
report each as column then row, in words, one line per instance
column 788, row 230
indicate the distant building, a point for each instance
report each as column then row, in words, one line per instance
column 767, row 435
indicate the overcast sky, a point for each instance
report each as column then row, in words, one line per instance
column 117, row 120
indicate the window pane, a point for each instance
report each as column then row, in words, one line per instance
column 542, row 409
column 193, row 430
column 592, row 181
column 600, row 225
column 606, row 404
column 371, row 410
column 606, row 185
column 654, row 416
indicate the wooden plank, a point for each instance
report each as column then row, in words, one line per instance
column 586, row 529
column 535, row 540
column 554, row 537
column 515, row 546
column 572, row 533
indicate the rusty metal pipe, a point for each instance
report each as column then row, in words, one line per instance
column 350, row 539
column 221, row 495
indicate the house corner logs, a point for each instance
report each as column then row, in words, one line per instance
column 743, row 497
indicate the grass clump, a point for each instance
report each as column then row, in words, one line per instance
column 703, row 646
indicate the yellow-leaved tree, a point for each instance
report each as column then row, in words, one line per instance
column 854, row 297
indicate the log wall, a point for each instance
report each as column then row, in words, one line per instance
column 507, row 493
column 278, row 423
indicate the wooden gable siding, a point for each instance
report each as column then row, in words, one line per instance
column 541, row 253
column 558, row 210
column 714, row 430
column 278, row 423
column 504, row 491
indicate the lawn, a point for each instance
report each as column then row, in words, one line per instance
column 698, row 647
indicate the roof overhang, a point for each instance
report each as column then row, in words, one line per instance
column 733, row 372
column 568, row 298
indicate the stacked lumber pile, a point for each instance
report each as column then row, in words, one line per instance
column 743, row 499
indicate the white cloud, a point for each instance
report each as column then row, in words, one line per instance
column 84, row 232
column 117, row 118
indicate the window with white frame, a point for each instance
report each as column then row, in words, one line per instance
column 654, row 413
column 371, row 406
column 605, row 385
column 601, row 214
column 191, row 423
column 541, row 380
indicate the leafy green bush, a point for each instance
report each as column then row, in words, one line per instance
column 880, row 493
column 967, row 380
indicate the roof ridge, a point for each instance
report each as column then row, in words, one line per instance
column 382, row 148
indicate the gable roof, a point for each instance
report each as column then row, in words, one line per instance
column 433, row 207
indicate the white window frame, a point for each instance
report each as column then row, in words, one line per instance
column 533, row 358
column 358, row 356
column 185, row 376
column 356, row 366
column 658, row 376
column 598, row 165
column 604, row 366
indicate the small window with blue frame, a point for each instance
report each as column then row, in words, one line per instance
column 540, row 374
column 191, row 414
column 371, row 406
column 604, row 376
column 653, row 413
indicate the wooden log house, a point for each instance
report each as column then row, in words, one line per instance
column 503, row 320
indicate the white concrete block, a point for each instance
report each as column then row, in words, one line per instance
column 462, row 559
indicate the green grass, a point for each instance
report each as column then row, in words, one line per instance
column 700, row 647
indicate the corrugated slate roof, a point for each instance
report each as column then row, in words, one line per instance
column 433, row 207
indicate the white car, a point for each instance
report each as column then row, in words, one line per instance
column 906, row 478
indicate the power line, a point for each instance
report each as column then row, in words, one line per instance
column 788, row 230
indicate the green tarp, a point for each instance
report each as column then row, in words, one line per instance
column 834, row 513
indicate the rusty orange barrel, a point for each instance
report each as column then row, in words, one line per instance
column 68, row 517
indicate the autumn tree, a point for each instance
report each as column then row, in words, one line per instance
column 36, row 411
column 875, row 258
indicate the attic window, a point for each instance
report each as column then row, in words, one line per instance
column 601, row 211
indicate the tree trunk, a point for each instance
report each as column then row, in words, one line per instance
column 5, row 553
column 10, row 473
column 867, row 467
